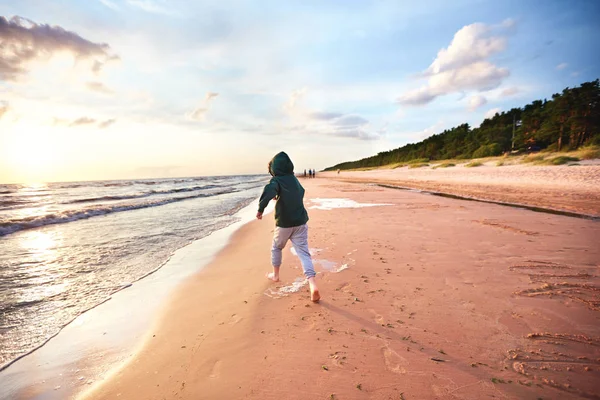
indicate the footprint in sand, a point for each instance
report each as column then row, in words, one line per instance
column 378, row 317
column 393, row 361
column 235, row 319
column 215, row 370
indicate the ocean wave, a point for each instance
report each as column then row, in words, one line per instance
column 140, row 195
column 9, row 227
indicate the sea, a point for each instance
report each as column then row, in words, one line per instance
column 65, row 248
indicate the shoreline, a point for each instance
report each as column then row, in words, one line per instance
column 87, row 333
column 409, row 317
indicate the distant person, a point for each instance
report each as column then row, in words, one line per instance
column 305, row 173
column 290, row 218
column 310, row 173
column 314, row 173
column 338, row 171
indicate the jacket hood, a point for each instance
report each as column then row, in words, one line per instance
column 281, row 165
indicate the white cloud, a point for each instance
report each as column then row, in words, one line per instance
column 325, row 123
column 99, row 87
column 562, row 66
column 491, row 113
column 470, row 44
column 509, row 23
column 199, row 114
column 153, row 7
column 350, row 120
column 427, row 132
column 295, row 97
column 462, row 66
column 106, row 123
column 110, row 4
column 511, row 91
column 82, row 121
column 476, row 101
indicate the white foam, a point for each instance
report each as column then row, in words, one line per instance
column 330, row 204
column 282, row 291
column 342, row 267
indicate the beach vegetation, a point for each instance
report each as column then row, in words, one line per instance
column 419, row 165
column 560, row 160
column 566, row 122
column 445, row 165
column 534, row 158
column 500, row 163
column 588, row 152
column 474, row 164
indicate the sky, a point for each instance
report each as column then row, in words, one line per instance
column 120, row 89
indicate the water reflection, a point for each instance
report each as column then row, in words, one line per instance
column 41, row 245
column 45, row 276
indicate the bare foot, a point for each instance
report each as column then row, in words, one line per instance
column 271, row 276
column 315, row 296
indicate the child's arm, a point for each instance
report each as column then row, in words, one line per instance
column 269, row 192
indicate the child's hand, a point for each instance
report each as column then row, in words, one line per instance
column 259, row 215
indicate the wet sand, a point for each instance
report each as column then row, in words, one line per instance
column 423, row 298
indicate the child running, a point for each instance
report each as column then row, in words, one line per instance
column 290, row 218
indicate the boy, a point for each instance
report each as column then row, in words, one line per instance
column 290, row 218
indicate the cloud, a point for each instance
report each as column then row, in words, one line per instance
column 462, row 66
column 199, row 114
column 562, row 66
column 296, row 96
column 325, row 123
column 490, row 114
column 427, row 132
column 24, row 41
column 110, row 5
column 509, row 92
column 356, row 133
column 3, row 108
column 470, row 44
column 509, row 23
column 152, row 7
column 106, row 123
column 351, row 120
column 476, row 101
column 82, row 121
column 99, row 87
column 324, row 116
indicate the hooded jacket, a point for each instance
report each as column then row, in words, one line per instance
column 289, row 209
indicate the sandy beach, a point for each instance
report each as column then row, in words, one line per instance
column 567, row 188
column 423, row 297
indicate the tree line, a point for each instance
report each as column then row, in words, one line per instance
column 569, row 120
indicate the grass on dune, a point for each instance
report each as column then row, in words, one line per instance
column 418, row 165
column 543, row 158
column 444, row 165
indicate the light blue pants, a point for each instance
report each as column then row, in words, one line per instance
column 299, row 237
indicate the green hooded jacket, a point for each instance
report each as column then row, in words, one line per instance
column 285, row 187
